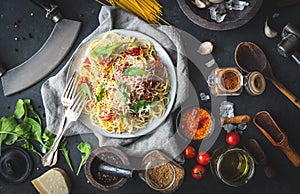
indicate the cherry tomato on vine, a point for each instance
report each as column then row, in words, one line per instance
column 232, row 138
column 203, row 158
column 198, row 171
column 189, row 152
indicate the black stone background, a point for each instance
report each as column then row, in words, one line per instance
column 285, row 113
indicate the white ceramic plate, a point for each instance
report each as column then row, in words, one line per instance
column 76, row 61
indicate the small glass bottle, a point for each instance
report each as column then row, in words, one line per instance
column 161, row 173
column 232, row 165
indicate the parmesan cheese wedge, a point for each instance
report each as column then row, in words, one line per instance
column 54, row 181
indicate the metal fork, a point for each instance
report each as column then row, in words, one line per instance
column 72, row 114
column 66, row 100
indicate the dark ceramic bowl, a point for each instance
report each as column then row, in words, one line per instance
column 92, row 163
column 15, row 165
column 233, row 19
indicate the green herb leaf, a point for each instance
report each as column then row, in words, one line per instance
column 11, row 139
column 65, row 152
column 36, row 129
column 48, row 138
column 139, row 106
column 123, row 91
column 19, row 109
column 134, row 71
column 86, row 149
column 86, row 90
column 100, row 95
column 126, row 118
column 30, row 148
column 23, row 130
column 106, row 50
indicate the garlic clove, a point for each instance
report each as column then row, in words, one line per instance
column 205, row 48
column 216, row 1
column 201, row 3
column 269, row 32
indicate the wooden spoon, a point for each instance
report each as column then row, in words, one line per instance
column 250, row 57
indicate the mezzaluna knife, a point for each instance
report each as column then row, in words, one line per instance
column 47, row 58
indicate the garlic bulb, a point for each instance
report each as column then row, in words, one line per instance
column 205, row 48
column 201, row 3
column 269, row 32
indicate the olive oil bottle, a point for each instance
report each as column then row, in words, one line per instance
column 234, row 166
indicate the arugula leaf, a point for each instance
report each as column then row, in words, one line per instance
column 100, row 95
column 65, row 152
column 86, row 90
column 36, row 129
column 23, row 130
column 30, row 108
column 19, row 109
column 86, row 149
column 30, row 148
column 8, row 125
column 139, row 106
column 106, row 50
column 134, row 71
column 11, row 139
column 48, row 138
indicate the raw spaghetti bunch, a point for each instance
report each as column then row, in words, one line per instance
column 148, row 10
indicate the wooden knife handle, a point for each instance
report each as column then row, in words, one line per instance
column 291, row 153
column 52, row 10
column 236, row 119
column 2, row 70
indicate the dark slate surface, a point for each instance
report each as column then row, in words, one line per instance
column 285, row 113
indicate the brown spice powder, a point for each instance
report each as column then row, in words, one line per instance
column 230, row 80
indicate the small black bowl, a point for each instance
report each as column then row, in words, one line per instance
column 15, row 165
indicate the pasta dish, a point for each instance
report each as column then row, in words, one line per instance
column 126, row 82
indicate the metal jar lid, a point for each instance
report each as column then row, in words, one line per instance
column 255, row 83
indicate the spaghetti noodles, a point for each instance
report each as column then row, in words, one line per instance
column 148, row 10
column 129, row 84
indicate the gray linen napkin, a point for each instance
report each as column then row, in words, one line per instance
column 163, row 137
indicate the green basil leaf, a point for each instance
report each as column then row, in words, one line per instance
column 106, row 50
column 123, row 91
column 137, row 107
column 134, row 71
column 86, row 90
column 100, row 95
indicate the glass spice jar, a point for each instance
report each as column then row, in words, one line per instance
column 225, row 82
column 230, row 81
column 161, row 173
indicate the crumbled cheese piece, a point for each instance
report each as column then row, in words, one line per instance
column 54, row 181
